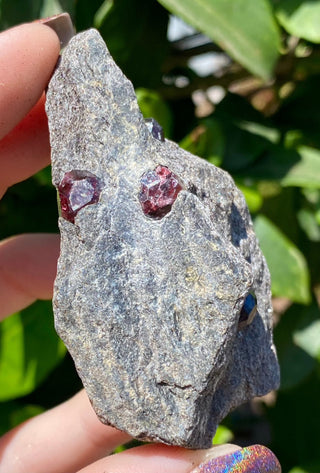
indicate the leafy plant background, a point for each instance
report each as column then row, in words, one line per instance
column 255, row 114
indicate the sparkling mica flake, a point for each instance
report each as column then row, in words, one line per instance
column 159, row 190
column 248, row 311
column 76, row 190
column 254, row 459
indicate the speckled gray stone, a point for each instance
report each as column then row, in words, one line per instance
column 149, row 308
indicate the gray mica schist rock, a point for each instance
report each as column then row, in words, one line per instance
column 149, row 308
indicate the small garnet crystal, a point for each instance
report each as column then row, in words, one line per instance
column 76, row 190
column 159, row 190
column 155, row 129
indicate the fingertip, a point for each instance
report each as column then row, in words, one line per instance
column 37, row 32
column 62, row 25
column 47, row 36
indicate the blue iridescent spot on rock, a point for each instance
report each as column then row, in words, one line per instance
column 248, row 311
column 155, row 129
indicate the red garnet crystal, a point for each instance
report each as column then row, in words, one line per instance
column 159, row 190
column 76, row 190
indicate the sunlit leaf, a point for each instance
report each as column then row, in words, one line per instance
column 271, row 134
column 306, row 171
column 288, row 267
column 29, row 350
column 222, row 435
column 292, row 167
column 308, row 336
column 298, row 470
column 43, row 177
column 300, row 18
column 246, row 30
column 50, row 8
column 309, row 224
column 314, row 467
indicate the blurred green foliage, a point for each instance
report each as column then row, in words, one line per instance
column 256, row 113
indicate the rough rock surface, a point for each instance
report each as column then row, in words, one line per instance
column 149, row 308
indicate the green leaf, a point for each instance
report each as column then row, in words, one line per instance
column 308, row 222
column 300, row 18
column 243, row 148
column 288, row 267
column 295, row 366
column 207, row 141
column 236, row 108
column 307, row 337
column 247, row 134
column 290, row 337
column 43, row 177
column 298, row 470
column 306, row 171
column 120, row 449
column 54, row 7
column 246, row 30
column 85, row 13
column 153, row 106
column 29, row 350
column 136, row 34
column 50, row 8
column 269, row 133
column 18, row 11
column 292, row 167
column 222, row 435
column 314, row 467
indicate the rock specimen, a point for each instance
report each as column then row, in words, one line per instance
column 162, row 294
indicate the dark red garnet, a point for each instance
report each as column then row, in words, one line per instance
column 76, row 190
column 159, row 190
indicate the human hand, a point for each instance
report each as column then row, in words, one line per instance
column 70, row 437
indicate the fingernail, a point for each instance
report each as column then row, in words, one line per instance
column 253, row 459
column 62, row 25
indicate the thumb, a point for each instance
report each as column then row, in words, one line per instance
column 163, row 459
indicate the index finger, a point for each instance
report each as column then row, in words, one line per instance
column 28, row 54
